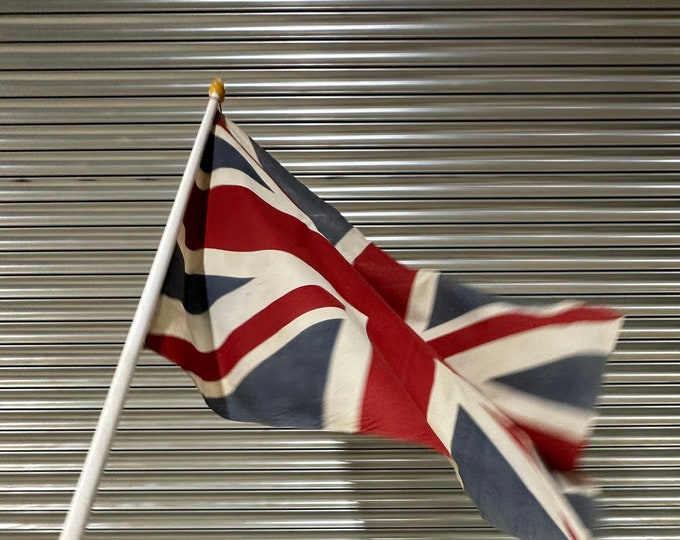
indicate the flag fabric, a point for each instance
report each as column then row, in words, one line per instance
column 286, row 315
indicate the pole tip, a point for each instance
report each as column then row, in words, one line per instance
column 217, row 88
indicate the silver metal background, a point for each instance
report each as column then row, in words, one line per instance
column 530, row 148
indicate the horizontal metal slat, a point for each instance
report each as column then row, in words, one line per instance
column 545, row 283
column 359, row 519
column 21, row 399
column 94, row 214
column 114, row 332
column 230, row 436
column 67, row 453
column 357, row 161
column 628, row 394
column 616, row 418
column 506, row 24
column 397, row 237
column 157, row 481
column 67, row 309
column 146, row 6
column 168, row 375
column 484, row 160
column 526, row 259
column 445, row 500
column 83, row 355
column 79, row 263
column 659, row 516
column 286, row 109
column 620, row 416
column 352, row 187
column 463, row 260
column 485, row 236
column 509, row 211
column 223, row 449
column 150, row 6
column 222, row 459
column 263, row 521
column 106, row 332
column 609, row 450
column 79, row 398
column 185, row 396
column 450, row 135
column 445, row 136
column 463, row 533
column 117, row 309
column 105, row 533
column 218, row 54
column 624, row 497
column 550, row 211
column 569, row 284
column 45, row 354
column 338, row 81
column 72, row 287
column 642, row 371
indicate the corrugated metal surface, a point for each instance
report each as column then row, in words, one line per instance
column 530, row 148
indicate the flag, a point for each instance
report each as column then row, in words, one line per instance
column 286, row 315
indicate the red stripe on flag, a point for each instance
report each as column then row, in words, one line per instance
column 572, row 534
column 392, row 280
column 212, row 366
column 508, row 324
column 558, row 454
column 417, row 366
column 392, row 414
column 220, row 120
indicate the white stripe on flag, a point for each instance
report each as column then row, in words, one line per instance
column 421, row 300
column 442, row 409
column 227, row 384
column 534, row 348
column 560, row 419
column 352, row 245
column 347, row 375
column 238, row 134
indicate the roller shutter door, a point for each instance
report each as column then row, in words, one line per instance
column 529, row 148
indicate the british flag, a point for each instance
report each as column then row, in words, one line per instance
column 286, row 315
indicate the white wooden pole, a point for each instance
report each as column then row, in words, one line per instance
column 81, row 503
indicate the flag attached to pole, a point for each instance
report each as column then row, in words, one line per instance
column 284, row 314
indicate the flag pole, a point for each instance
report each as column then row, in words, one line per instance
column 81, row 503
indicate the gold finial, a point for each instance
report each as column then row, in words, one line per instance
column 217, row 88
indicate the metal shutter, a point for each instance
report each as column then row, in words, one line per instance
column 530, row 148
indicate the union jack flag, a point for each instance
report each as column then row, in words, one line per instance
column 286, row 315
